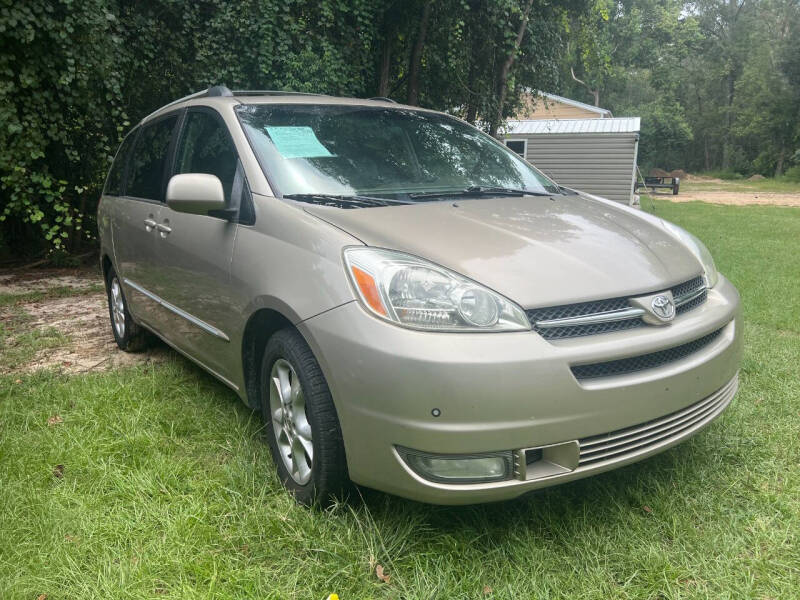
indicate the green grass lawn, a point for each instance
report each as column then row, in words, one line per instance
column 158, row 484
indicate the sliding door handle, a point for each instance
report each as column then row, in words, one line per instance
column 164, row 229
column 149, row 224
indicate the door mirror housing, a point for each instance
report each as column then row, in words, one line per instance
column 196, row 194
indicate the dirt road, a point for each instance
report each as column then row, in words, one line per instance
column 737, row 192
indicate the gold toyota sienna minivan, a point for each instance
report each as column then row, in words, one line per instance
column 410, row 305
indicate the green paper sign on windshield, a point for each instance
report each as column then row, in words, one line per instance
column 297, row 142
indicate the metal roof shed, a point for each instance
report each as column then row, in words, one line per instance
column 597, row 156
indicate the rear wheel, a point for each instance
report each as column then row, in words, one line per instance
column 302, row 426
column 128, row 335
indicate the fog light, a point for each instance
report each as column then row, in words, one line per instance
column 459, row 468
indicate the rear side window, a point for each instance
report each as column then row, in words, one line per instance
column 149, row 158
column 205, row 147
column 117, row 172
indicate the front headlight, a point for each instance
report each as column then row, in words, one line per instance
column 415, row 293
column 697, row 248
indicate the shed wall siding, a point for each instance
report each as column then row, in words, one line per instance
column 600, row 164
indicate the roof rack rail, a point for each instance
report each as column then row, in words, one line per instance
column 217, row 90
column 383, row 99
column 272, row 93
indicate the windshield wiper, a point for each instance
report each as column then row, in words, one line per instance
column 344, row 199
column 480, row 190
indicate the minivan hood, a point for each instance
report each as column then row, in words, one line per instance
column 536, row 251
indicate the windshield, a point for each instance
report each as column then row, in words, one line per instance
column 396, row 153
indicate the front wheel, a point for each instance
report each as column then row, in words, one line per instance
column 302, row 425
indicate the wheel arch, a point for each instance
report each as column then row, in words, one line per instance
column 260, row 327
column 106, row 265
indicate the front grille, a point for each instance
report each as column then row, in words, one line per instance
column 645, row 361
column 688, row 287
column 581, row 309
column 597, row 307
column 683, row 295
column 639, row 438
column 690, row 304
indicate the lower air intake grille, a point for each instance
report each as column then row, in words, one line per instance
column 622, row 443
column 644, row 361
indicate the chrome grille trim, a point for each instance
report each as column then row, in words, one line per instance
column 681, row 300
column 613, row 314
column 618, row 445
column 642, row 362
column 602, row 317
column 688, row 287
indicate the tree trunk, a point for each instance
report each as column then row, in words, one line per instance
column 472, row 107
column 726, row 144
column 781, row 159
column 385, row 72
column 386, row 61
column 502, row 79
column 416, row 56
column 705, row 151
column 594, row 92
column 472, row 113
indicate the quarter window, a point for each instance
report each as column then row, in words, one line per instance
column 205, row 147
column 146, row 171
column 115, row 175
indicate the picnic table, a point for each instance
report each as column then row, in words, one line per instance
column 666, row 182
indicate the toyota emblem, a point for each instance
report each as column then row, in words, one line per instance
column 663, row 308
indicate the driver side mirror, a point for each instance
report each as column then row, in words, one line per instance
column 196, row 194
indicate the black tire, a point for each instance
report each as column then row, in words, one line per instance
column 328, row 472
column 132, row 338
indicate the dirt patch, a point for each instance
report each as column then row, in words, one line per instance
column 738, row 198
column 81, row 317
column 23, row 282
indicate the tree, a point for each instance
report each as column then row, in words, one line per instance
column 508, row 62
column 768, row 104
column 77, row 75
column 62, row 113
column 416, row 54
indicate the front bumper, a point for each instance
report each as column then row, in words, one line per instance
column 512, row 391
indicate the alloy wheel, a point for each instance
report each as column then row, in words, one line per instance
column 118, row 307
column 287, row 408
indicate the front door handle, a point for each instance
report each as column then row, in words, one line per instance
column 164, row 229
column 149, row 224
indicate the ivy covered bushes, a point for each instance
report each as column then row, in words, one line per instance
column 61, row 114
column 76, row 74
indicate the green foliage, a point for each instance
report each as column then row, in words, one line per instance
column 665, row 133
column 726, row 174
column 717, row 83
column 793, row 174
column 60, row 105
column 76, row 75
